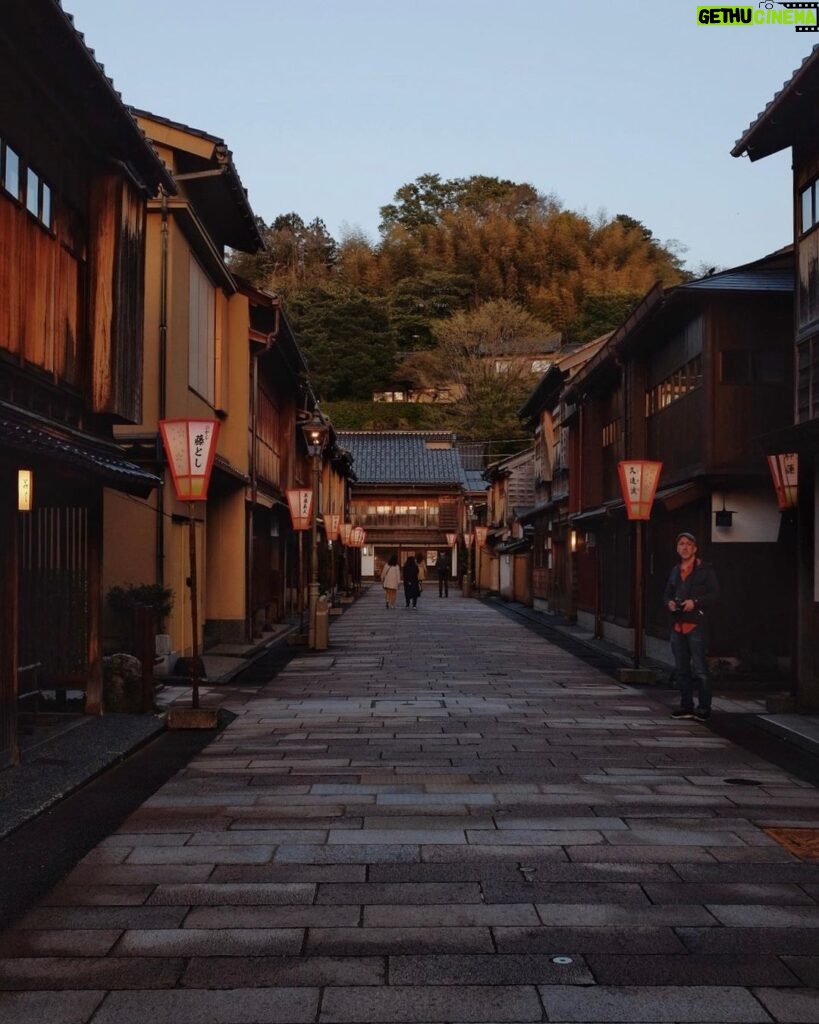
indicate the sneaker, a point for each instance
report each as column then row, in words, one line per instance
column 683, row 713
column 702, row 714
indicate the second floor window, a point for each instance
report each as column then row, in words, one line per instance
column 675, row 386
column 202, row 334
column 25, row 185
column 809, row 206
column 611, row 432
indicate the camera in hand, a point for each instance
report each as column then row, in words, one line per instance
column 678, row 604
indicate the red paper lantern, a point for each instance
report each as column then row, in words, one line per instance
column 638, row 482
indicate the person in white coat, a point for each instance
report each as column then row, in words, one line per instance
column 391, row 579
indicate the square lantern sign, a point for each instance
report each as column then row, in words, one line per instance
column 638, row 482
column 301, row 507
column 190, row 446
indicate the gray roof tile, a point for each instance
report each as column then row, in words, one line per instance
column 403, row 457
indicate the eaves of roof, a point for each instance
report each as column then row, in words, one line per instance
column 645, row 309
column 54, row 47
column 764, row 275
column 242, row 229
column 773, row 128
column 38, row 437
column 547, row 387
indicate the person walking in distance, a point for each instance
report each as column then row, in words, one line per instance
column 690, row 595
column 411, row 582
column 390, row 578
column 422, row 571
column 442, row 567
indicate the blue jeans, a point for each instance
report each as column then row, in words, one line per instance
column 691, row 667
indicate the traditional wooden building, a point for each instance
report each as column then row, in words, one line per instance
column 553, row 541
column 408, row 493
column 75, row 174
column 789, row 122
column 691, row 379
column 280, row 402
column 504, row 566
column 198, row 362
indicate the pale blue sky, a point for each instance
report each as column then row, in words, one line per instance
column 625, row 106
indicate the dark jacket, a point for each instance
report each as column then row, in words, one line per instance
column 442, row 565
column 701, row 587
column 410, row 571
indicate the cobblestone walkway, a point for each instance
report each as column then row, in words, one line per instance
column 441, row 819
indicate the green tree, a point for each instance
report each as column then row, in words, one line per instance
column 346, row 339
column 481, row 357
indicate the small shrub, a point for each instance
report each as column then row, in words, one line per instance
column 123, row 600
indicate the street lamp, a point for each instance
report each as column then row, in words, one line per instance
column 316, row 431
column 638, row 482
column 190, row 446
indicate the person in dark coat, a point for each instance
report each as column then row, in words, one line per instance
column 442, row 567
column 411, row 584
column 690, row 595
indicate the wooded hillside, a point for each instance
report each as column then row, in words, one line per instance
column 453, row 258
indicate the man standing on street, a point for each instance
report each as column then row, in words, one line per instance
column 690, row 595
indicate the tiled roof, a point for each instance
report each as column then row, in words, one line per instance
column 744, row 281
column 35, row 435
column 474, row 480
column 793, row 89
column 403, row 456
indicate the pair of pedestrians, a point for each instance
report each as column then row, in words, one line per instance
column 414, row 573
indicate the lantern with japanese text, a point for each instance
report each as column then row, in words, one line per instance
column 300, row 500
column 190, row 447
column 638, row 482
column 784, row 472
column 331, row 525
column 344, row 533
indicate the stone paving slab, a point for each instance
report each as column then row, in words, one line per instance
column 722, row 1005
column 444, row 818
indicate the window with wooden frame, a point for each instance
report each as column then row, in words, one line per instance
column 809, row 207
column 201, row 333
column 676, row 385
column 24, row 184
column 10, row 171
column 611, row 432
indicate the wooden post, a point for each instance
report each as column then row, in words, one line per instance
column 638, row 591
column 301, row 582
column 93, row 687
column 194, row 612
column 9, row 595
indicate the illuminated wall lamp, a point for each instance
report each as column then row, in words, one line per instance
column 25, row 490
column 573, row 540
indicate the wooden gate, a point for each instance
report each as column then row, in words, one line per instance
column 54, row 600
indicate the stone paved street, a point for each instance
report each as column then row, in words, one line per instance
column 443, row 818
